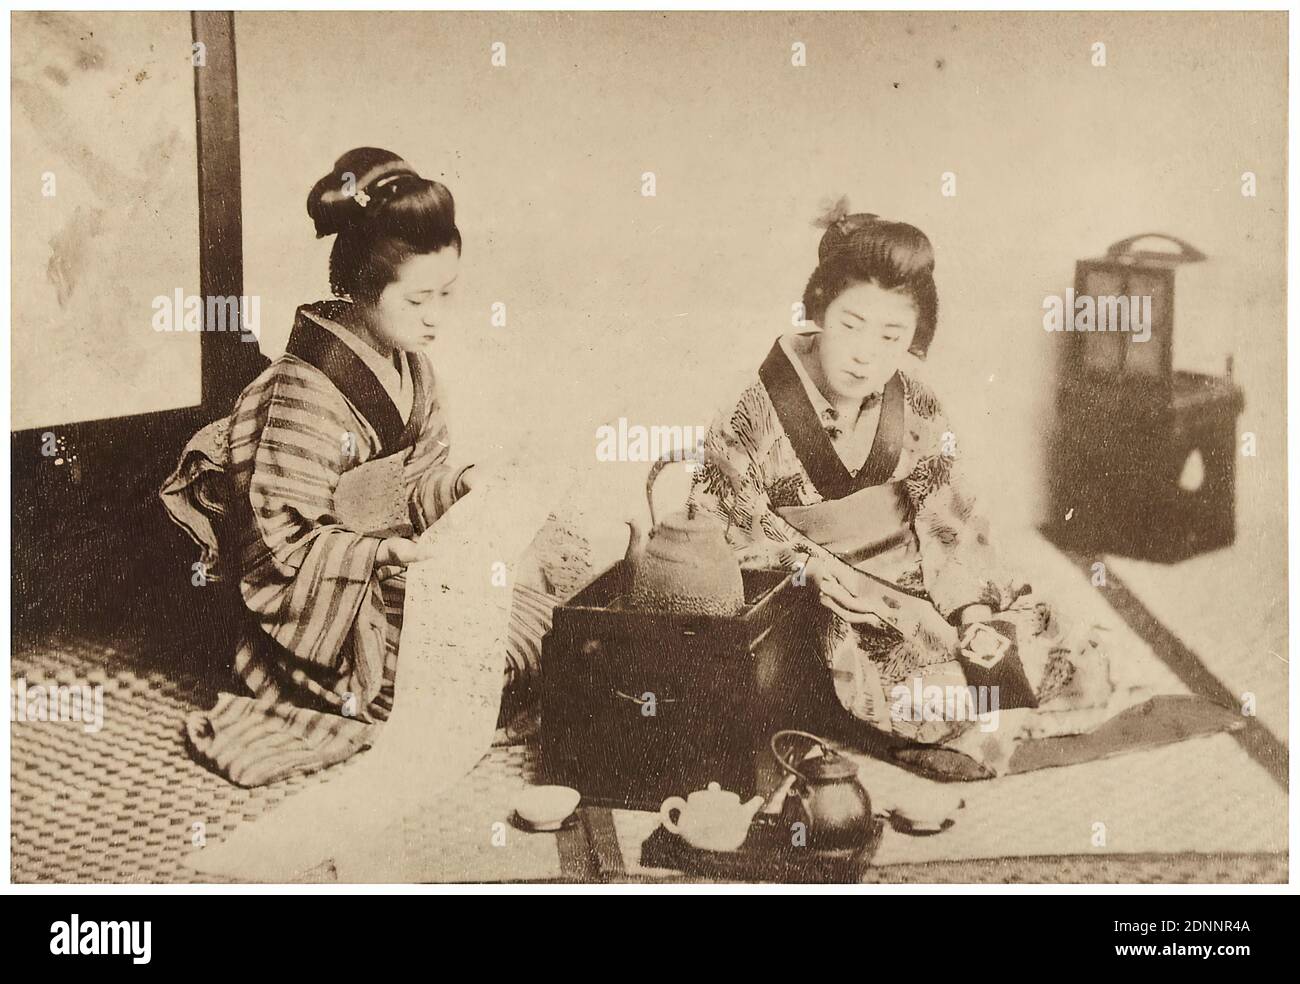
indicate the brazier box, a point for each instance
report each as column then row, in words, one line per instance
column 639, row 706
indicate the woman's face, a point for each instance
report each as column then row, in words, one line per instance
column 417, row 305
column 865, row 334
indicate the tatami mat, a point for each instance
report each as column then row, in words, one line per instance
column 121, row 805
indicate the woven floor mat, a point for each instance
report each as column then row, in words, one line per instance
column 1137, row 869
column 121, row 805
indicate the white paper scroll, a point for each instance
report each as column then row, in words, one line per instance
column 450, row 672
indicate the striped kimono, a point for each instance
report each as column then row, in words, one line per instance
column 322, row 466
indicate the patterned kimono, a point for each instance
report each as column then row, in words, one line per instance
column 319, row 647
column 904, row 528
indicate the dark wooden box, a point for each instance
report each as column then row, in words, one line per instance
column 1116, row 458
column 637, row 706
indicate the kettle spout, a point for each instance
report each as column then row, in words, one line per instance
column 635, row 542
column 752, row 807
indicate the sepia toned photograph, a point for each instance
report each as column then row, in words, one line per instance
column 648, row 448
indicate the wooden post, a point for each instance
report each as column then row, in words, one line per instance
column 230, row 360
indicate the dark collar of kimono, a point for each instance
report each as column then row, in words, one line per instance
column 811, row 442
column 321, row 348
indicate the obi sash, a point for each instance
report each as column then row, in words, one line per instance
column 865, row 524
column 868, row 530
column 321, row 348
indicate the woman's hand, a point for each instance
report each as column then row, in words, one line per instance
column 976, row 613
column 398, row 551
column 857, row 599
column 833, row 593
column 437, row 494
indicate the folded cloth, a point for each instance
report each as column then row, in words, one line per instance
column 1021, row 746
column 999, row 669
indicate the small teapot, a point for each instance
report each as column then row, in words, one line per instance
column 685, row 566
column 831, row 801
column 712, row 819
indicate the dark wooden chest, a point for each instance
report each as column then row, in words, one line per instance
column 1144, row 471
column 638, row 706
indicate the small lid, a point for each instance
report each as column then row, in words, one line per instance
column 830, row 765
column 714, row 797
column 692, row 521
column 715, row 791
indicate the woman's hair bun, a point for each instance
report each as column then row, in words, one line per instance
column 867, row 236
column 339, row 199
column 382, row 213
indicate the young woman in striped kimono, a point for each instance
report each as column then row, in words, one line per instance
column 839, row 464
column 350, row 412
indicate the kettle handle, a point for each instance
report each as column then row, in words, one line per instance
column 659, row 465
column 788, row 766
column 650, row 479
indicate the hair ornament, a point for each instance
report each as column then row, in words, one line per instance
column 840, row 226
column 363, row 188
column 833, row 213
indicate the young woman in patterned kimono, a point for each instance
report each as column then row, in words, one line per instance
column 839, row 464
column 353, row 401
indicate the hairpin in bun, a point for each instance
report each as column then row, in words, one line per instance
column 840, row 226
column 342, row 197
column 833, row 213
